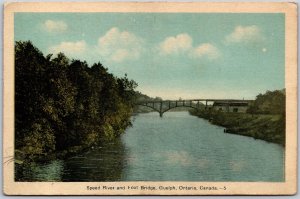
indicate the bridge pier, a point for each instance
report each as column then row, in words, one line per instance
column 164, row 106
column 160, row 109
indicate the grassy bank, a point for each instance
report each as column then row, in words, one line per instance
column 268, row 127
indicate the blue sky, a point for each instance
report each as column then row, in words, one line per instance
column 170, row 55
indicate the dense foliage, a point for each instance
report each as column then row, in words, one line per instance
column 272, row 102
column 65, row 105
column 140, row 97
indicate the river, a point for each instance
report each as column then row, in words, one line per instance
column 176, row 147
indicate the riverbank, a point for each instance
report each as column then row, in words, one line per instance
column 166, row 149
column 21, row 158
column 268, row 127
column 65, row 106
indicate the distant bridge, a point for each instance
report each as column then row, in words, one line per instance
column 165, row 105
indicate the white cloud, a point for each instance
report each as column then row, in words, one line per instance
column 183, row 43
column 205, row 50
column 120, row 55
column 69, row 48
column 175, row 45
column 118, row 46
column 245, row 34
column 55, row 26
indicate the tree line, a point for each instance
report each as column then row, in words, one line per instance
column 271, row 102
column 63, row 105
column 265, row 118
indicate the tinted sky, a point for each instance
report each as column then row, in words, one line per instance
column 171, row 55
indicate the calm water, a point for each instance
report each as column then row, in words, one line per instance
column 177, row 147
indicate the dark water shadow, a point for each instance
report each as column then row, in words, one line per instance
column 100, row 164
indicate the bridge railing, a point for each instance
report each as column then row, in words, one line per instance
column 165, row 105
column 195, row 100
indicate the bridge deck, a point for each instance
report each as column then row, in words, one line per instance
column 196, row 100
column 165, row 105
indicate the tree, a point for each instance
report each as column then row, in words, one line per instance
column 272, row 102
column 64, row 105
column 31, row 128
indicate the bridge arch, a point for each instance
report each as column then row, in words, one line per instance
column 162, row 111
column 165, row 105
column 179, row 107
column 156, row 110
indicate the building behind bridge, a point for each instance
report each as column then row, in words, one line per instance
column 235, row 107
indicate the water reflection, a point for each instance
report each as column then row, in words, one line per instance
column 50, row 171
column 177, row 147
column 180, row 147
column 103, row 163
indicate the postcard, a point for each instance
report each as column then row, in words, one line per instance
column 155, row 98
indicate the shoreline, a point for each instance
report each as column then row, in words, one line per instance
column 270, row 128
